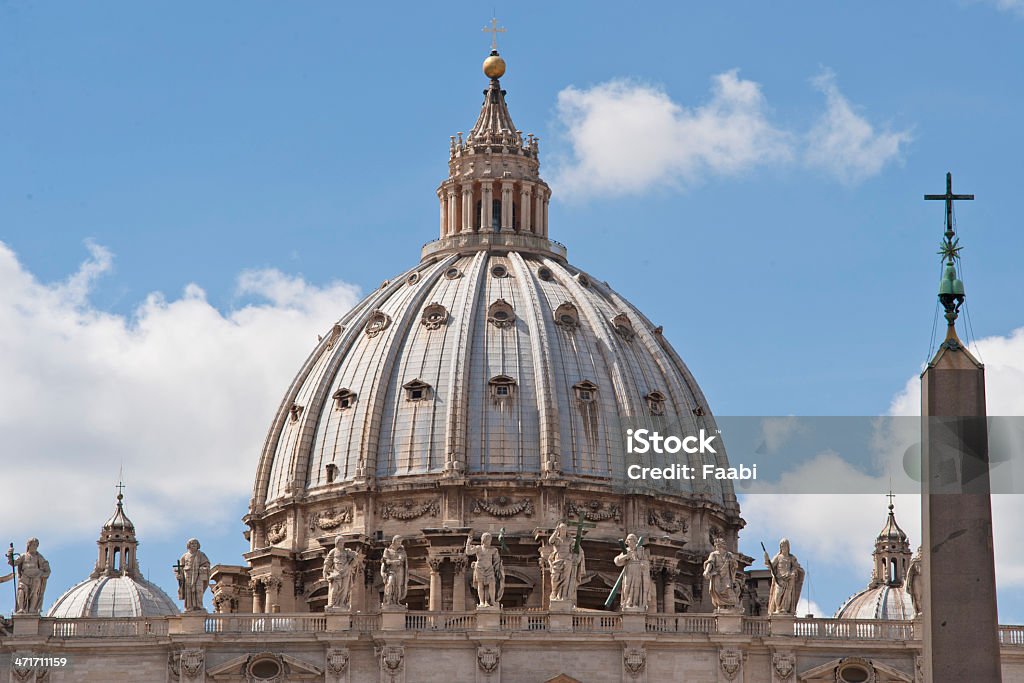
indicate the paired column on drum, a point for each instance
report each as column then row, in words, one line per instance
column 522, row 202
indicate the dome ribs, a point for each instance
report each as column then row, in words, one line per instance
column 547, row 407
column 455, row 416
column 382, row 386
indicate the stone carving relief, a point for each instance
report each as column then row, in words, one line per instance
column 634, row 660
column 731, row 662
column 329, row 520
column 392, row 661
column 503, row 506
column 668, row 521
column 434, row 316
column 594, row 510
column 784, row 664
column 277, row 532
column 337, row 660
column 409, row 509
column 190, row 662
column 488, row 658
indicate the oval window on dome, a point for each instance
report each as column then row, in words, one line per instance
column 412, row 279
column 583, row 280
column 434, row 316
column 500, row 314
column 499, row 270
column 453, row 273
column 544, row 273
column 567, row 316
column 377, row 323
column 623, row 327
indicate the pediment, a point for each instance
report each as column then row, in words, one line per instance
column 562, row 678
column 237, row 669
column 883, row 673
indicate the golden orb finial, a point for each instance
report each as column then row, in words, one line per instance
column 494, row 65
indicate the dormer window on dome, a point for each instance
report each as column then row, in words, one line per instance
column 500, row 314
column 502, row 387
column 586, row 391
column 344, row 399
column 295, row 412
column 417, row 390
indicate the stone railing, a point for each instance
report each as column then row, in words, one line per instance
column 108, row 628
column 509, row 621
column 1011, row 636
column 851, row 629
column 265, row 623
column 682, row 623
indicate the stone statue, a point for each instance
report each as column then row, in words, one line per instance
column 488, row 572
column 914, row 583
column 193, row 573
column 637, row 585
column 566, row 566
column 720, row 574
column 33, row 571
column 394, row 569
column 787, row 580
column 340, row 567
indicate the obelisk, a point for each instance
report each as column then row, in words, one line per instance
column 961, row 627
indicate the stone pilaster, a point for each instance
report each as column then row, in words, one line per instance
column 525, row 224
column 486, row 205
column 506, row 206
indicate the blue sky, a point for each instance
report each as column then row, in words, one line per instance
column 194, row 142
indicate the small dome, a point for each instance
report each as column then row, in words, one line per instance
column 113, row 596
column 891, row 532
column 880, row 602
column 119, row 520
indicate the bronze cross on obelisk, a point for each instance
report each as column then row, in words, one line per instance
column 494, row 31
column 949, row 197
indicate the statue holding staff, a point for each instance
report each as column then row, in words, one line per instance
column 787, row 580
column 720, row 573
column 193, row 573
column 636, row 582
column 32, row 571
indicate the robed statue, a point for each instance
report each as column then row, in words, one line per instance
column 637, row 585
column 787, row 580
column 914, row 583
column 193, row 574
column 720, row 574
column 33, row 570
column 488, row 572
column 566, row 562
column 394, row 569
column 340, row 566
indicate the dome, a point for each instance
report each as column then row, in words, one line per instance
column 116, row 587
column 880, row 602
column 497, row 361
column 113, row 596
column 489, row 387
column 886, row 596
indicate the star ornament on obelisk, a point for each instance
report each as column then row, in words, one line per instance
column 961, row 632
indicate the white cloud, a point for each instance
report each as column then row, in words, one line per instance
column 627, row 137
column 178, row 392
column 1014, row 6
column 844, row 143
column 777, row 431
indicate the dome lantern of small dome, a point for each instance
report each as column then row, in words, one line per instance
column 116, row 586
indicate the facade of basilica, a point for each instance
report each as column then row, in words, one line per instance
column 442, row 497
